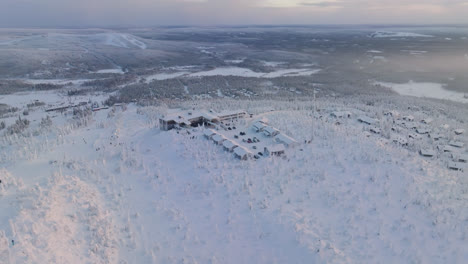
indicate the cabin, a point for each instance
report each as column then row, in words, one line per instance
column 218, row 139
column 456, row 144
column 209, row 133
column 275, row 150
column 285, row 140
column 341, row 114
column 460, row 158
column 448, row 149
column 367, row 120
column 242, row 153
column 270, row 131
column 228, row 145
column 258, row 126
column 457, row 166
column 427, row 153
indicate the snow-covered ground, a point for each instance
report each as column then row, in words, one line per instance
column 428, row 90
column 233, row 71
column 112, row 188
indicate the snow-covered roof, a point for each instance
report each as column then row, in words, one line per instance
column 242, row 151
column 459, row 131
column 231, row 113
column 427, row 152
column 276, row 148
column 457, row 144
column 449, row 149
column 229, row 144
column 460, row 157
column 456, row 166
column 259, row 125
column 218, row 138
column 367, row 120
column 282, row 138
column 187, row 116
column 270, row 130
column 435, row 136
column 209, row 132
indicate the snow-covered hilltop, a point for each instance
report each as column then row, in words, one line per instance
column 109, row 186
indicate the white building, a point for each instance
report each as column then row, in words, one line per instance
column 258, row 126
column 228, row 145
column 209, row 133
column 242, row 153
column 427, row 152
column 275, row 150
column 218, row 139
column 229, row 115
column 270, row 131
column 285, row 140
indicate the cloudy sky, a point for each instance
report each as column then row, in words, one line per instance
column 65, row 13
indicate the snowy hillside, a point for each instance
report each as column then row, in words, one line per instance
column 110, row 187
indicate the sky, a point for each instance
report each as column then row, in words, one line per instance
column 79, row 13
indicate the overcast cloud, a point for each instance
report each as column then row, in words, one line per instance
column 66, row 13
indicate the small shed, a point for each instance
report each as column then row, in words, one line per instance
column 427, row 152
column 367, row 120
column 242, row 153
column 275, row 150
column 270, row 131
column 456, row 144
column 218, row 139
column 228, row 145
